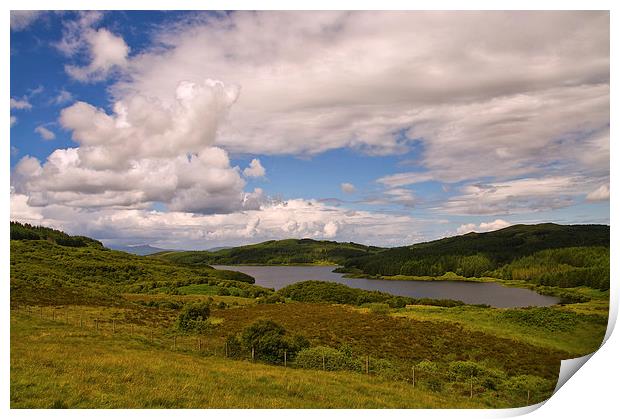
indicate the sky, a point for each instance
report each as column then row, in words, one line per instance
column 193, row 130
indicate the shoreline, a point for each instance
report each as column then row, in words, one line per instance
column 274, row 264
column 565, row 295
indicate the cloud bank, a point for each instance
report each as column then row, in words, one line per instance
column 509, row 112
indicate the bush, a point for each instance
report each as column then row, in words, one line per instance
column 234, row 346
column 271, row 299
column 269, row 341
column 335, row 360
column 434, row 384
column 539, row 387
column 427, row 366
column 378, row 308
column 194, row 316
column 463, row 371
column 544, row 318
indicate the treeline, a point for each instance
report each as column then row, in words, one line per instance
column 275, row 252
column 521, row 249
column 569, row 267
column 332, row 292
column 27, row 231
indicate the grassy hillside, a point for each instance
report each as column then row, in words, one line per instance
column 275, row 252
column 91, row 327
column 43, row 271
column 29, row 232
column 478, row 254
column 58, row 366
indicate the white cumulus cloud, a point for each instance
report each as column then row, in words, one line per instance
column 106, row 51
column 347, row 187
column 21, row 19
column 144, row 152
column 255, row 169
column 294, row 218
column 482, row 227
column 20, row 104
column 62, row 98
column 45, row 133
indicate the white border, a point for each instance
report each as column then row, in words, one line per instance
column 592, row 393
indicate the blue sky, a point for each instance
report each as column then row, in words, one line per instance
column 202, row 129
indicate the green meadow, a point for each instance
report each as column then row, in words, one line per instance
column 95, row 328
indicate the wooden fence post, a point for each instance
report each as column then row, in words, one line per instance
column 528, row 397
column 199, row 344
column 413, row 375
column 252, row 353
column 367, row 364
column 471, row 386
column 285, row 358
column 226, row 349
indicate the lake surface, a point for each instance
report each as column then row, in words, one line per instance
column 493, row 294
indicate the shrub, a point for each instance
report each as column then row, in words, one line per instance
column 194, row 316
column 378, row 308
column 544, row 318
column 427, row 366
column 538, row 387
column 271, row 299
column 269, row 341
column 434, row 384
column 234, row 346
column 335, row 360
column 463, row 371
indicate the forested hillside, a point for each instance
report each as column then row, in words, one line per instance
column 47, row 269
column 276, row 252
column 29, row 232
column 584, row 260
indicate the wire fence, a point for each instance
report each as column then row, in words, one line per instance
column 436, row 380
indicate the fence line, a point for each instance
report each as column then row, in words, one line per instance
column 418, row 375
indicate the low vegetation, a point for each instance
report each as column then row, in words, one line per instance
column 58, row 366
column 91, row 327
column 194, row 317
column 331, row 292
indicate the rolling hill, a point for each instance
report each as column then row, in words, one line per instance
column 50, row 266
column 584, row 252
column 275, row 252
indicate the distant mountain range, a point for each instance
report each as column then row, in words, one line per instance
column 140, row 249
column 147, row 249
